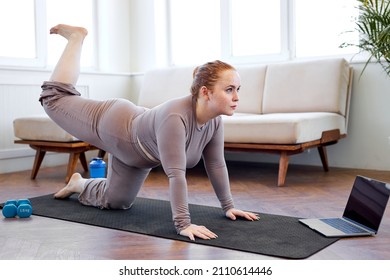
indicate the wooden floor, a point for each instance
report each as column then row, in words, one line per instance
column 308, row 192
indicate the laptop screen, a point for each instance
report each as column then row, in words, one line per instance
column 367, row 202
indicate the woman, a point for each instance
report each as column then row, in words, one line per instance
column 175, row 134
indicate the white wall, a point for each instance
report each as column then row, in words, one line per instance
column 367, row 145
column 113, row 35
column 127, row 37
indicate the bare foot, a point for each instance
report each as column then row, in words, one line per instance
column 68, row 31
column 75, row 185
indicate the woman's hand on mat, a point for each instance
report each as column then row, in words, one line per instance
column 234, row 213
column 193, row 231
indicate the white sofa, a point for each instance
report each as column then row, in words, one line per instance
column 284, row 108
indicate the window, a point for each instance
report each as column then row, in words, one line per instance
column 256, row 32
column 21, row 39
column 322, row 26
column 194, row 31
column 72, row 12
column 204, row 30
column 18, row 41
column 259, row 30
column 26, row 31
column 255, row 27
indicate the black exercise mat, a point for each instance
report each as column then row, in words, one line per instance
column 272, row 235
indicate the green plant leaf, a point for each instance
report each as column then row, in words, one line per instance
column 373, row 24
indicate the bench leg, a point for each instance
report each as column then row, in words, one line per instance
column 324, row 157
column 283, row 165
column 101, row 153
column 83, row 161
column 73, row 159
column 39, row 155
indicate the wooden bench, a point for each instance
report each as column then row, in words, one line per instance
column 76, row 151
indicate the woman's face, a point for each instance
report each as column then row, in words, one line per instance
column 224, row 95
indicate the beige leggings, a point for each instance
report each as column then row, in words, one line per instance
column 106, row 125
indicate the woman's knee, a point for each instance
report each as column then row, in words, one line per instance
column 119, row 202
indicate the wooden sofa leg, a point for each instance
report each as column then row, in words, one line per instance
column 283, row 165
column 324, row 157
column 39, row 155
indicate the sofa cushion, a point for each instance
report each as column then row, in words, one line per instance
column 176, row 82
column 280, row 128
column 160, row 85
column 252, row 85
column 40, row 127
column 310, row 86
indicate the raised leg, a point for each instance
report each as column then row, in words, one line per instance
column 67, row 69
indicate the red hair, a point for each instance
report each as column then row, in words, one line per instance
column 207, row 75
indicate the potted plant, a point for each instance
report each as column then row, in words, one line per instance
column 373, row 24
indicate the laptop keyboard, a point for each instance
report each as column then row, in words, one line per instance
column 343, row 226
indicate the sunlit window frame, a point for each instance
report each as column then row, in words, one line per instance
column 286, row 10
column 40, row 42
column 40, row 61
column 226, row 36
column 287, row 33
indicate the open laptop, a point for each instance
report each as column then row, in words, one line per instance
column 362, row 214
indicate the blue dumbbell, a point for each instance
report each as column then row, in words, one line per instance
column 10, row 209
column 24, row 208
column 21, row 208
